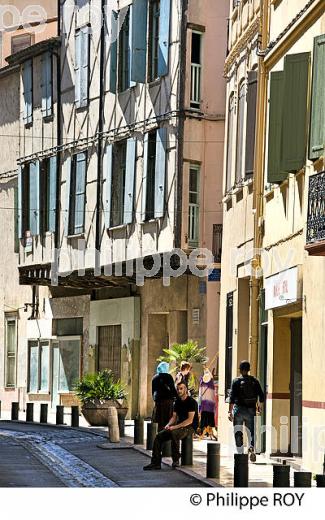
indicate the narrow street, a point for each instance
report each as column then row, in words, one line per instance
column 43, row 456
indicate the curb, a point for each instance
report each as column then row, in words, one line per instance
column 58, row 426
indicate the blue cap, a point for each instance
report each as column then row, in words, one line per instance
column 163, row 368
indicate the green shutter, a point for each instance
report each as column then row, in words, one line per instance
column 294, row 125
column 274, row 175
column 317, row 123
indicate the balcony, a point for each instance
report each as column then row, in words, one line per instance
column 195, row 86
column 315, row 239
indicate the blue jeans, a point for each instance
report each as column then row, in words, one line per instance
column 244, row 416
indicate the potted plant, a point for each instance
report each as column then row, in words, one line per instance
column 97, row 392
column 191, row 352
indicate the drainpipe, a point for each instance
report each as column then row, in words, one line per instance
column 181, row 123
column 59, row 136
column 258, row 189
column 100, row 139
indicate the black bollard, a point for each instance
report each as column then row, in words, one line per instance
column 152, row 429
column 281, row 475
column 320, row 480
column 121, row 424
column 213, row 460
column 166, row 449
column 59, row 415
column 302, row 479
column 240, row 470
column 75, row 416
column 187, row 451
column 14, row 411
column 43, row 415
column 139, row 430
column 30, row 412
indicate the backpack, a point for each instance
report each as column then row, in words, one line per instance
column 247, row 392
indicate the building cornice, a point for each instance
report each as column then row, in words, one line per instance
column 241, row 44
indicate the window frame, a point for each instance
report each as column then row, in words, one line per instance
column 123, row 72
column 230, row 141
column 151, row 176
column 118, row 175
column 240, row 131
column 153, row 41
column 196, row 74
column 73, row 193
column 194, row 241
column 13, row 355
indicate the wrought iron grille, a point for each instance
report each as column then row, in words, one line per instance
column 217, row 243
column 316, row 208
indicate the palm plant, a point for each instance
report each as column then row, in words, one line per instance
column 189, row 351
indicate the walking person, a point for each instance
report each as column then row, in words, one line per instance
column 207, row 405
column 183, row 422
column 163, row 394
column 246, row 399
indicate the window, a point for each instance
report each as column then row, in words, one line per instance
column 231, row 109
column 29, row 199
column 68, row 327
column 77, row 194
column 27, row 73
column 118, row 184
column 47, row 95
column 20, row 42
column 151, row 170
column 109, row 349
column 317, row 126
column 48, row 178
column 240, row 132
column 250, row 123
column 82, row 43
column 153, row 47
column 196, row 66
column 124, row 54
column 194, row 206
column 154, row 173
column 11, row 350
column 217, row 243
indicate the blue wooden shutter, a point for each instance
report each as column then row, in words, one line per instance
column 28, row 91
column 107, row 189
column 78, row 44
column 34, row 198
column 160, row 174
column 139, row 40
column 113, row 52
column 84, row 73
column 47, row 84
column 131, row 82
column 164, row 28
column 295, row 105
column 144, row 177
column 129, row 180
column 52, row 193
column 317, row 122
column 67, row 195
column 20, row 203
column 80, row 193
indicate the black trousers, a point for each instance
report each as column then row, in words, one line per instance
column 174, row 436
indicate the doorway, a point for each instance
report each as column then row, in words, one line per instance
column 296, row 387
column 109, row 349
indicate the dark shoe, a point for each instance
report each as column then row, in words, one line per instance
column 151, row 467
column 175, row 464
column 252, row 455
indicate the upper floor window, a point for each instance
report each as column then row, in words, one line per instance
column 240, row 132
column 77, row 193
column 20, row 42
column 196, row 67
column 11, row 350
column 153, row 44
column 118, row 184
column 82, row 45
column 194, row 206
column 47, row 85
column 230, row 130
column 154, row 174
column 124, row 54
column 27, row 73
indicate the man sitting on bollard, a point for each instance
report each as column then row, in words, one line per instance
column 243, row 405
column 183, row 422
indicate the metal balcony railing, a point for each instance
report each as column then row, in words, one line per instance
column 195, row 85
column 316, row 209
column 217, row 243
column 193, row 226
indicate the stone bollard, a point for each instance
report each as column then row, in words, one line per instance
column 43, row 415
column 75, row 416
column 187, row 451
column 302, row 479
column 213, row 460
column 152, row 429
column 240, row 470
column 59, row 419
column 281, row 475
column 113, row 429
column 138, row 430
column 30, row 412
column 320, row 480
column 14, row 411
